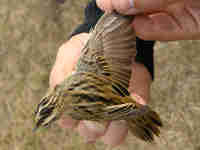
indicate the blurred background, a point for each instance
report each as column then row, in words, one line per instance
column 30, row 35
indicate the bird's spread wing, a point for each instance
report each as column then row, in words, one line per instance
column 111, row 48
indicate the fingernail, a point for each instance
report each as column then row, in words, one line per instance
column 91, row 130
column 95, row 126
column 132, row 3
column 132, row 10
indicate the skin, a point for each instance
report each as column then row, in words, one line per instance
column 163, row 20
column 111, row 133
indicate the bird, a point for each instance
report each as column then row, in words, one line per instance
column 98, row 88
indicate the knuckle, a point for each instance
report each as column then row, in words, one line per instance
column 121, row 6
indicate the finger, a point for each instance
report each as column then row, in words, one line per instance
column 121, row 6
column 67, row 57
column 67, row 122
column 116, row 133
column 134, row 6
column 157, row 27
column 140, row 83
column 105, row 5
column 148, row 5
column 91, row 130
column 163, row 27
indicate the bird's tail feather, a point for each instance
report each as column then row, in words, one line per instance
column 146, row 124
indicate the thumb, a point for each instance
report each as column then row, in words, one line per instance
column 66, row 58
column 134, row 6
column 119, row 5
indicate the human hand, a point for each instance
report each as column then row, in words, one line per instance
column 163, row 20
column 112, row 133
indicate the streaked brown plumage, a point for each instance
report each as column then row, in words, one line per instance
column 97, row 90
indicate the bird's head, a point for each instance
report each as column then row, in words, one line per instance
column 49, row 109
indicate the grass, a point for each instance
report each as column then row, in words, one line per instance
column 31, row 32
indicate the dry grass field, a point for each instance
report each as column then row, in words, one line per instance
column 31, row 32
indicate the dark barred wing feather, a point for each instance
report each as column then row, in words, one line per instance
column 111, row 48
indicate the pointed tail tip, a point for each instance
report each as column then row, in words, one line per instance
column 152, row 115
column 148, row 125
column 155, row 118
